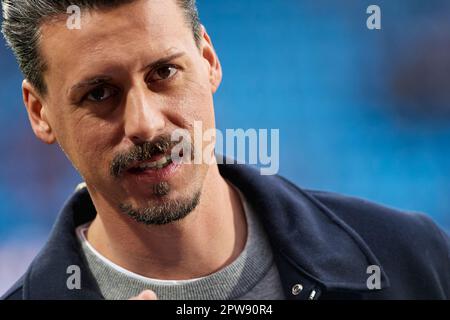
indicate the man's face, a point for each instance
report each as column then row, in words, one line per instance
column 117, row 87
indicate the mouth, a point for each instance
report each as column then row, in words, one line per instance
column 154, row 163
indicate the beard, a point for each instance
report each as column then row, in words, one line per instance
column 161, row 210
column 161, row 213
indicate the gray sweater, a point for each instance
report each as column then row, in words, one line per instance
column 253, row 275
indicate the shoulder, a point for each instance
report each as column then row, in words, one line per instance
column 411, row 248
column 372, row 219
column 15, row 292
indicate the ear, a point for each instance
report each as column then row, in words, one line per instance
column 209, row 54
column 37, row 113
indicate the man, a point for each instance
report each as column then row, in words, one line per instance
column 111, row 93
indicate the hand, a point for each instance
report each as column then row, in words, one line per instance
column 145, row 295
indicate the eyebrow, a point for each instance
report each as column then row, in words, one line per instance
column 91, row 82
column 163, row 60
column 101, row 79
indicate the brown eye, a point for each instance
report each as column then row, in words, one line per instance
column 164, row 73
column 100, row 94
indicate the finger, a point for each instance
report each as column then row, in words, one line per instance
column 145, row 295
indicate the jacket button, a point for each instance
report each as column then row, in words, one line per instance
column 296, row 289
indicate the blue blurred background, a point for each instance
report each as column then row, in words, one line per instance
column 360, row 112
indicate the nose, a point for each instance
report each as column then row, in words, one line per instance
column 143, row 119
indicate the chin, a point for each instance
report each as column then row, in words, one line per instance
column 161, row 209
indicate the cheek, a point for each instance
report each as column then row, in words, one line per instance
column 89, row 146
column 194, row 102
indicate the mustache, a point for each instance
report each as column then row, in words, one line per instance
column 139, row 153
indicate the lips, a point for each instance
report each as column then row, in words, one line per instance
column 155, row 170
column 155, row 163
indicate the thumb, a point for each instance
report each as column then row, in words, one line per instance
column 145, row 295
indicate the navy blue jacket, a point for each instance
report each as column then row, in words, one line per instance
column 323, row 245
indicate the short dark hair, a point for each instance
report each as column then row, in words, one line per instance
column 22, row 20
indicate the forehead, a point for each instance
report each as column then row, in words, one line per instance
column 129, row 35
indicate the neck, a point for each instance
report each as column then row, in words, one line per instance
column 208, row 239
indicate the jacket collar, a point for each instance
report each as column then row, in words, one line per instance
column 313, row 248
